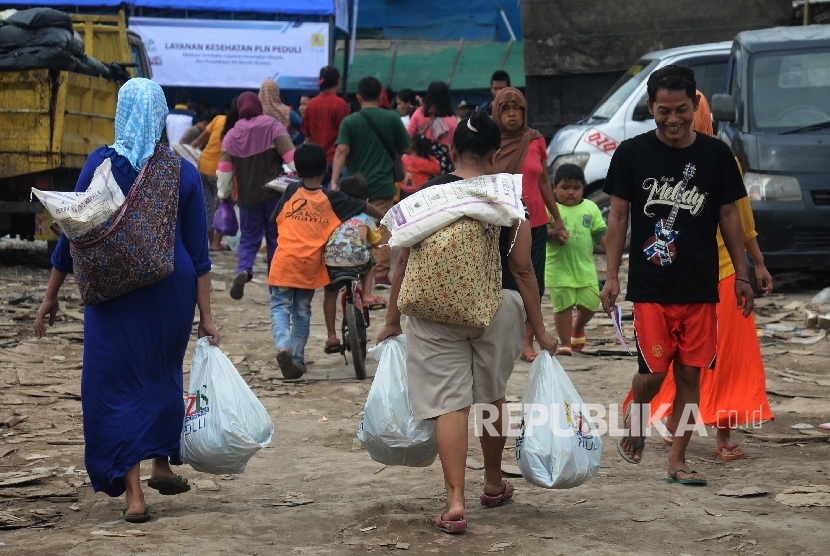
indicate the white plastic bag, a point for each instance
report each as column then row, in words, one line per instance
column 78, row 213
column 494, row 199
column 388, row 430
column 224, row 424
column 191, row 154
column 558, row 446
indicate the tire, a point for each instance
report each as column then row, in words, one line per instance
column 603, row 201
column 357, row 340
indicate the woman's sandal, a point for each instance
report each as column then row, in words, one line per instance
column 452, row 527
column 136, row 518
column 169, row 486
column 493, row 501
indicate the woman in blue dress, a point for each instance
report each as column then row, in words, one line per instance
column 134, row 344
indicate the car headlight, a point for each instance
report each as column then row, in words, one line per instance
column 580, row 159
column 771, row 187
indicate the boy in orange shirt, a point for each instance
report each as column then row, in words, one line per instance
column 306, row 217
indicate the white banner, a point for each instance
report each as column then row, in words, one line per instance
column 234, row 54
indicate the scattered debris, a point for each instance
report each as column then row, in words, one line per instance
column 801, row 426
column 713, row 514
column 805, row 497
column 14, row 420
column 644, row 519
column 743, row 544
column 499, row 546
column 511, row 470
column 370, row 528
column 402, row 546
column 290, row 502
column 22, row 477
column 719, row 536
column 126, row 533
column 205, row 484
column 820, row 298
column 745, row 492
column 474, row 464
column 10, row 521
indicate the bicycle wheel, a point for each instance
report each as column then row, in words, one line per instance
column 357, row 340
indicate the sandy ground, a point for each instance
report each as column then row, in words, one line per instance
column 360, row 506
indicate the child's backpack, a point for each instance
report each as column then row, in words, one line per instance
column 346, row 247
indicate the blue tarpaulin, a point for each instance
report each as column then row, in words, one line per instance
column 291, row 7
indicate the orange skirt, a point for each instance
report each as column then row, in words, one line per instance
column 734, row 393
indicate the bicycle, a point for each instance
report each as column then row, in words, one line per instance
column 355, row 319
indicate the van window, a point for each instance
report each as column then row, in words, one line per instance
column 139, row 67
column 710, row 78
column 789, row 90
column 623, row 88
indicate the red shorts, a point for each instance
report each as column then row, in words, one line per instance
column 685, row 333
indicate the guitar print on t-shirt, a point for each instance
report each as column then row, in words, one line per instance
column 660, row 248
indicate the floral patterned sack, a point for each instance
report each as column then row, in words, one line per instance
column 454, row 275
column 135, row 247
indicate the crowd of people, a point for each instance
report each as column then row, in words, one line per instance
column 351, row 169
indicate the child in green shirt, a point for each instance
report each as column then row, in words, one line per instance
column 570, row 272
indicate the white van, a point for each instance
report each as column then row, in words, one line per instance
column 622, row 113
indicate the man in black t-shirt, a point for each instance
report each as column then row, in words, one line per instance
column 679, row 186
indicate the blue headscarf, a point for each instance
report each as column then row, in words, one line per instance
column 139, row 120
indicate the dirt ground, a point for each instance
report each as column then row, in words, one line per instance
column 358, row 506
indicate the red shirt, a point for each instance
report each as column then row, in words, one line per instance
column 418, row 171
column 321, row 123
column 535, row 163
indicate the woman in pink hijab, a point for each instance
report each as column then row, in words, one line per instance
column 272, row 105
column 254, row 151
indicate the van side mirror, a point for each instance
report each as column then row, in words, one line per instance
column 723, row 108
column 641, row 112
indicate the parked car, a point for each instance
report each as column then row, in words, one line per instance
column 622, row 113
column 776, row 118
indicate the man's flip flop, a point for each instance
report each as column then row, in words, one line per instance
column 169, row 486
column 529, row 358
column 736, row 453
column 564, row 351
column 493, row 501
column 634, row 444
column 452, row 527
column 136, row 518
column 673, row 478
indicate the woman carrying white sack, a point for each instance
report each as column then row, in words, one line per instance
column 449, row 366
